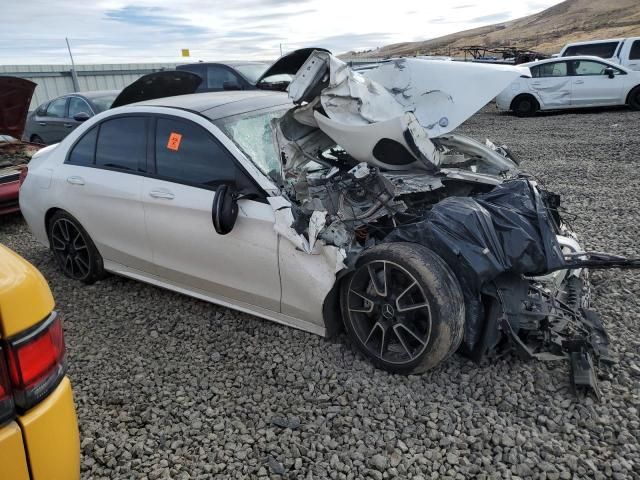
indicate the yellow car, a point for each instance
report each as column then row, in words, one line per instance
column 39, row 437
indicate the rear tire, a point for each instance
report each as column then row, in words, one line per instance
column 73, row 249
column 633, row 100
column 403, row 308
column 525, row 106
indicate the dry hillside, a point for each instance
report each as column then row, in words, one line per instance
column 546, row 31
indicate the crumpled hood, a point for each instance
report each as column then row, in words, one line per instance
column 15, row 98
column 441, row 94
column 392, row 115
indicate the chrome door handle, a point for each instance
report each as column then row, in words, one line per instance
column 42, row 124
column 162, row 193
column 579, row 82
column 68, row 125
column 536, row 84
column 75, row 180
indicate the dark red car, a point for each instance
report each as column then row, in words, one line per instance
column 15, row 97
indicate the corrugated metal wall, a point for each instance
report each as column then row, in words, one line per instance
column 56, row 80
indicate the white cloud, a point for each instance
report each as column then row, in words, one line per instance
column 116, row 31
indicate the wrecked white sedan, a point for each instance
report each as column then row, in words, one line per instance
column 349, row 201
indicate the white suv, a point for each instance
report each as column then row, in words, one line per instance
column 624, row 51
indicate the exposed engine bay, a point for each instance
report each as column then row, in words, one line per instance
column 370, row 158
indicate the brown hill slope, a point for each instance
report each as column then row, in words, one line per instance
column 547, row 31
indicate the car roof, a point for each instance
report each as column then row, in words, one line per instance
column 588, row 42
column 215, row 105
column 229, row 64
column 565, row 59
column 97, row 93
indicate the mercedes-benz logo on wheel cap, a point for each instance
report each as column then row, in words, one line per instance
column 387, row 311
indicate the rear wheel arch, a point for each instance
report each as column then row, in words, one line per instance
column 47, row 219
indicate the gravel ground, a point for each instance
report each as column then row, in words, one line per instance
column 171, row 387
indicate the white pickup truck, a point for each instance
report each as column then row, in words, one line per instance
column 623, row 51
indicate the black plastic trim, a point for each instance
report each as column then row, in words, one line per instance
column 33, row 332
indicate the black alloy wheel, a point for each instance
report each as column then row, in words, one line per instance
column 390, row 312
column 403, row 308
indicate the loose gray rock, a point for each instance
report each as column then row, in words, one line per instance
column 379, row 462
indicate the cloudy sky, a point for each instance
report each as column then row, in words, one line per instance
column 115, row 31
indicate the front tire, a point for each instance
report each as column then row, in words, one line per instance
column 73, row 249
column 403, row 308
column 525, row 106
column 633, row 100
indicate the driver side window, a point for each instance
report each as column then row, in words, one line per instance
column 589, row 67
column 187, row 153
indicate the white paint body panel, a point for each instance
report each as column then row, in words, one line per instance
column 242, row 265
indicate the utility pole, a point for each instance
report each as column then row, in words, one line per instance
column 74, row 75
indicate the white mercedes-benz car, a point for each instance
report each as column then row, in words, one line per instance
column 571, row 82
column 348, row 202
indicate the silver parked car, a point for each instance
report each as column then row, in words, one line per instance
column 55, row 119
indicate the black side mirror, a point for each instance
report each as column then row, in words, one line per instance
column 610, row 72
column 231, row 86
column 81, row 117
column 225, row 209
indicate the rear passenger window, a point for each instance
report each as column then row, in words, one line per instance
column 634, row 54
column 83, row 152
column 187, row 153
column 558, row 69
column 122, row 143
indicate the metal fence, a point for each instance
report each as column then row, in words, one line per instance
column 56, row 80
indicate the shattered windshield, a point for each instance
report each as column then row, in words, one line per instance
column 251, row 132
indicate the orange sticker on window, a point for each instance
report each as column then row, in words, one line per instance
column 174, row 141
